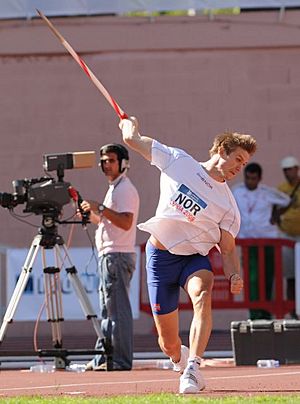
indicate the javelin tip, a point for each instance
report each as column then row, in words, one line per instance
column 51, row 26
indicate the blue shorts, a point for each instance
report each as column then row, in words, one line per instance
column 166, row 273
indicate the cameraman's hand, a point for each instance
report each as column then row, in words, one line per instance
column 91, row 207
column 86, row 206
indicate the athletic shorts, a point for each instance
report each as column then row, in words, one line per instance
column 166, row 273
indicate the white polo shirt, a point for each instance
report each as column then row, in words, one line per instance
column 121, row 196
column 256, row 208
column 192, row 208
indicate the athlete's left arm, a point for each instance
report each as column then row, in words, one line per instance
column 231, row 264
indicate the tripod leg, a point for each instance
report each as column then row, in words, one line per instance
column 53, row 300
column 88, row 309
column 21, row 285
column 81, row 293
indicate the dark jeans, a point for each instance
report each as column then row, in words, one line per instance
column 115, row 273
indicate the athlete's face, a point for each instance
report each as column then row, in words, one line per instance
column 110, row 165
column 231, row 164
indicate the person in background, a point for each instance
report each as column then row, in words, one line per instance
column 255, row 202
column 196, row 211
column 116, row 220
column 288, row 220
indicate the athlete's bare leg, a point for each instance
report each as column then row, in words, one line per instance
column 167, row 326
column 199, row 287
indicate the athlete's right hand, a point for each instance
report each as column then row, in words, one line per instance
column 129, row 127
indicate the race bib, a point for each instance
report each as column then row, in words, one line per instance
column 187, row 202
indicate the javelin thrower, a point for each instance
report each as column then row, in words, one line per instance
column 121, row 114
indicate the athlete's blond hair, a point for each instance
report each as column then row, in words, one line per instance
column 231, row 141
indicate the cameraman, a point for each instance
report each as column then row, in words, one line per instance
column 115, row 238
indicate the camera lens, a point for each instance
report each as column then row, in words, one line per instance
column 18, row 186
column 6, row 200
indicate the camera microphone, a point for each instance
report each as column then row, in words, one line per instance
column 75, row 195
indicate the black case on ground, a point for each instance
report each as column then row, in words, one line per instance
column 266, row 339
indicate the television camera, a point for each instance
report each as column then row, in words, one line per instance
column 46, row 196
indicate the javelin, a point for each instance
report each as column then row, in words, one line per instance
column 85, row 68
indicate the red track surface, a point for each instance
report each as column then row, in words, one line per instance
column 222, row 381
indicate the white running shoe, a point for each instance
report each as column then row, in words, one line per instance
column 181, row 365
column 191, row 381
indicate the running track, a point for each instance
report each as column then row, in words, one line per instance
column 222, row 381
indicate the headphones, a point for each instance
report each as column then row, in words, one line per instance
column 120, row 151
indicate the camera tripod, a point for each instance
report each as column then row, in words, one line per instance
column 48, row 238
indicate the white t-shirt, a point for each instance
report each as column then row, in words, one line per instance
column 192, row 208
column 256, row 207
column 121, row 196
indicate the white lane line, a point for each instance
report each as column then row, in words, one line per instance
column 61, row 386
column 87, row 384
column 253, row 376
